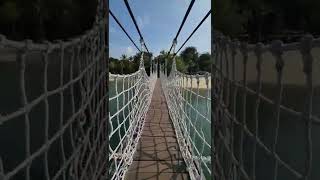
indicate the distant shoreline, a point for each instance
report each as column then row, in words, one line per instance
column 202, row 83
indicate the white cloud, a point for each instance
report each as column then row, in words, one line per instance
column 129, row 51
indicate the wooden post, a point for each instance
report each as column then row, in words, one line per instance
column 158, row 68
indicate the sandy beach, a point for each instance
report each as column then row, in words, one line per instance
column 292, row 72
column 202, row 83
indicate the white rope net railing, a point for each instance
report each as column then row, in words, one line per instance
column 129, row 102
column 189, row 103
column 53, row 118
column 265, row 109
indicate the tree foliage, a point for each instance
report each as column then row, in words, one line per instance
column 188, row 62
column 261, row 20
column 46, row 19
column 127, row 65
column 190, row 56
column 227, row 17
column 204, row 62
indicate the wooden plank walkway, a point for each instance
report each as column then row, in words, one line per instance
column 158, row 156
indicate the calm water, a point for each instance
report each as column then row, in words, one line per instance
column 291, row 144
column 202, row 125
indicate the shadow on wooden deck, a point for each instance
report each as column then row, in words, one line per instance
column 157, row 156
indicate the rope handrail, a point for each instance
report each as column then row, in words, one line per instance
column 127, row 117
column 131, row 104
column 189, row 110
column 194, row 140
column 72, row 105
column 238, row 127
column 85, row 130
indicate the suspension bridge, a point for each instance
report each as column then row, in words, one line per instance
column 69, row 124
column 72, row 126
column 158, row 123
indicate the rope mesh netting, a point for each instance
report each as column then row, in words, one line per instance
column 189, row 103
column 265, row 118
column 53, row 121
column 129, row 102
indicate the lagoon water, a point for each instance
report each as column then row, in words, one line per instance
column 291, row 144
column 202, row 125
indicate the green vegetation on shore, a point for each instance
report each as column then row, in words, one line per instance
column 189, row 61
column 263, row 20
column 45, row 19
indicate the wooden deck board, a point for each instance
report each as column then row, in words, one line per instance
column 157, row 156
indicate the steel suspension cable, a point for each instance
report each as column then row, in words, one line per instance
column 201, row 22
column 135, row 23
column 118, row 22
column 182, row 23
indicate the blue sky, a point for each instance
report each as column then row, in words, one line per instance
column 159, row 21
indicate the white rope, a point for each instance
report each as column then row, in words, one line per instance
column 132, row 98
column 189, row 108
column 230, row 161
column 74, row 128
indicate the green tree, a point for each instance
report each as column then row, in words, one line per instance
column 190, row 57
column 187, row 62
column 115, row 66
column 227, row 18
column 146, row 58
column 127, row 66
column 205, row 62
column 46, row 19
column 181, row 66
column 166, row 61
column 123, row 58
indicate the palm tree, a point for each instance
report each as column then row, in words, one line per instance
column 123, row 58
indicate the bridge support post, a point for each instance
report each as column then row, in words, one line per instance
column 158, row 68
column 151, row 67
column 165, row 67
